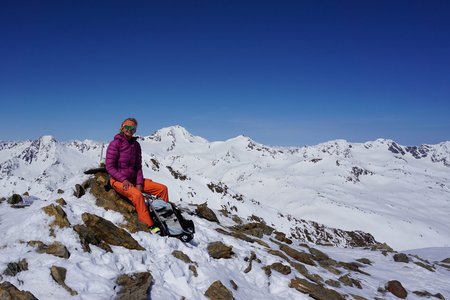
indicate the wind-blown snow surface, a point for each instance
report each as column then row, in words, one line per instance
column 378, row 187
column 401, row 195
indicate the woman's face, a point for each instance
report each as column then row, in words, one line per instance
column 129, row 130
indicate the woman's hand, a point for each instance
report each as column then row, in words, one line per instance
column 126, row 184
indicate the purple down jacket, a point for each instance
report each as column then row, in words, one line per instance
column 124, row 160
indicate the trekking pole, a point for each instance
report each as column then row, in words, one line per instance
column 101, row 154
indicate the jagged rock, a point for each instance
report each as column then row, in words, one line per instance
column 447, row 260
column 60, row 191
column 106, row 231
column 352, row 266
column 237, row 219
column 203, row 211
column 280, row 268
column 316, row 291
column 193, row 270
column 318, row 255
column 234, row 285
column 56, row 248
column 59, row 275
column 278, row 253
column 364, row 261
column 79, row 191
column 217, row 291
column 257, row 229
column 15, row 199
column 219, row 250
column 425, row 266
column 304, row 271
column 396, row 288
column 267, row 270
column 134, row 286
column 2, row 199
column 382, row 247
column 348, row 281
column 302, row 257
column 239, row 235
column 61, row 202
column 59, row 214
column 181, row 256
column 282, row 237
column 428, row 294
column 88, row 236
column 13, row 269
column 9, row 291
column 333, row 283
column 250, row 260
column 401, row 257
column 109, row 199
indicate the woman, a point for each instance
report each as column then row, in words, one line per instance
column 124, row 164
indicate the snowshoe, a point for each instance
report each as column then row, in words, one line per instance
column 169, row 219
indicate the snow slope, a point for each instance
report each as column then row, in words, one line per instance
column 399, row 194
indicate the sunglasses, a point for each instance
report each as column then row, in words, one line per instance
column 128, row 127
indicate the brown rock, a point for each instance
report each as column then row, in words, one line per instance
column 110, row 200
column 318, row 255
column 278, row 253
column 106, row 231
column 282, row 237
column 314, row 290
column 425, row 266
column 79, row 191
column 59, row 214
column 428, row 294
column 279, row 267
column 9, row 291
column 250, row 260
column 401, row 257
column 88, row 236
column 181, row 256
column 56, row 248
column 234, row 285
column 193, row 270
column 364, row 261
column 13, row 269
column 348, row 281
column 203, row 211
column 61, row 202
column 396, row 288
column 217, row 291
column 302, row 257
column 257, row 229
column 333, row 283
column 59, row 275
column 219, row 250
column 134, row 286
column 447, row 260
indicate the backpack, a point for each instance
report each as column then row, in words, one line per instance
column 169, row 219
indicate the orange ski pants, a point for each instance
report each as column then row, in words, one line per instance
column 136, row 197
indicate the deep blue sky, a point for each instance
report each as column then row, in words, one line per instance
column 287, row 73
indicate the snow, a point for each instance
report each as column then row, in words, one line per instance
column 404, row 202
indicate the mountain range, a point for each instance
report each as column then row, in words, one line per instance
column 357, row 212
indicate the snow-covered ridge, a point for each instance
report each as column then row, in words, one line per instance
column 400, row 194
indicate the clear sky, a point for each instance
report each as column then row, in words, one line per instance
column 288, row 73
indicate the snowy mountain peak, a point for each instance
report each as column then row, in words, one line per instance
column 176, row 133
